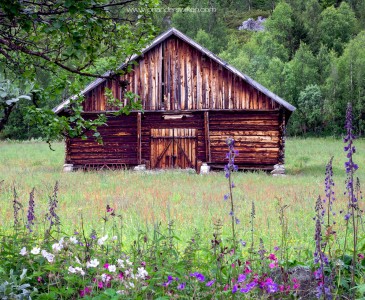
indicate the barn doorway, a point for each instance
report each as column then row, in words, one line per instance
column 173, row 148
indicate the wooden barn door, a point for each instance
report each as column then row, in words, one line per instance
column 173, row 148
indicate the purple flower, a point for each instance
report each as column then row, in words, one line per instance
column 30, row 215
column 241, row 278
column 181, row 286
column 248, row 287
column 226, row 197
column 198, row 276
column 234, row 289
column 347, row 216
column 210, row 283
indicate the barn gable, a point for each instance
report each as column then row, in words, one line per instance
column 176, row 73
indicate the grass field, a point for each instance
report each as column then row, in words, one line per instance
column 190, row 200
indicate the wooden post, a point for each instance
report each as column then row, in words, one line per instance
column 206, row 135
column 282, row 133
column 139, row 138
column 67, row 150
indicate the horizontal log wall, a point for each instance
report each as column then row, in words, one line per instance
column 175, row 76
column 256, row 134
column 119, row 144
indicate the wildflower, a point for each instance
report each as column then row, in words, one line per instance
column 71, row 270
column 100, row 285
column 30, row 214
column 102, row 240
column 57, row 247
column 210, row 283
column 73, row 240
column 80, row 270
column 243, row 243
column 39, row 279
column 270, row 286
column 181, row 286
column 92, row 263
column 249, row 287
column 296, row 284
column 276, row 248
column 105, row 277
column 109, row 209
column 198, row 276
column 48, row 256
column 106, row 266
column 241, row 278
column 120, row 263
column 85, row 291
column 93, row 237
column 234, row 289
column 112, row 268
column 361, row 256
column 120, row 276
column 23, row 251
column 142, row 273
column 114, row 238
column 35, row 250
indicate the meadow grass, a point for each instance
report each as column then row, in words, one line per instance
column 190, row 200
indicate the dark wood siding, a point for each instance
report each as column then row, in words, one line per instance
column 257, row 135
column 119, row 144
column 175, row 76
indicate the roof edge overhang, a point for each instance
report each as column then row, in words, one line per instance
column 173, row 31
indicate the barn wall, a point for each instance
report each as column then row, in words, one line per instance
column 175, row 76
column 119, row 144
column 258, row 136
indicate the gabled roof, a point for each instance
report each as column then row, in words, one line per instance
column 162, row 37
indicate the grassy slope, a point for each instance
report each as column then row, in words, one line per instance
column 190, row 200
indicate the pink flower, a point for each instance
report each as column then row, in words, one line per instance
column 281, row 288
column 273, row 265
column 361, row 256
column 85, row 291
column 248, row 270
column 272, row 256
column 106, row 266
column 39, row 279
column 120, row 276
column 100, row 285
column 226, row 287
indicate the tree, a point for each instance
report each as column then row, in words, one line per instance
column 68, row 41
column 72, row 34
column 10, row 95
column 337, row 26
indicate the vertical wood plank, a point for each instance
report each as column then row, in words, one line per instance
column 139, row 138
column 207, row 137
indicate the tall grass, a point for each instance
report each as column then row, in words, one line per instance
column 191, row 201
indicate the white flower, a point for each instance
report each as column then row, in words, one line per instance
column 120, row 292
column 57, row 247
column 48, row 256
column 80, row 270
column 102, row 240
column 35, row 250
column 77, row 260
column 120, row 263
column 71, row 269
column 92, row 263
column 73, row 240
column 61, row 241
column 112, row 268
column 23, row 251
column 131, row 284
column 114, row 238
column 105, row 277
column 142, row 273
column 128, row 262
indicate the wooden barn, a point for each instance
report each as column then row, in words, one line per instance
column 192, row 101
